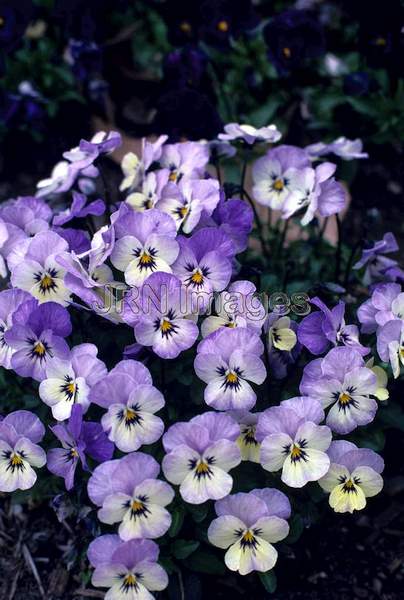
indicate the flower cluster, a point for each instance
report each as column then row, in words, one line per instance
column 162, row 269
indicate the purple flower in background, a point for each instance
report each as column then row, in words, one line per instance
column 199, row 455
column 354, row 475
column 227, row 362
column 235, row 218
column 78, row 239
column 100, row 143
column 247, row 526
column 36, row 338
column 204, row 263
column 238, row 306
column 385, row 305
column 127, row 569
column 315, row 190
column 249, row 134
column 10, row 301
column 79, row 209
column 188, row 201
column 378, row 266
column 78, row 438
column 146, row 245
column 162, row 316
column 292, row 440
column 341, row 147
column 26, row 214
column 129, row 494
column 68, row 381
column 39, row 273
column 342, row 381
column 323, row 328
column 20, row 433
column 184, row 160
column 272, row 175
column 390, row 344
column 131, row 401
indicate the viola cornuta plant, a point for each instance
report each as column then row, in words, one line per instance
column 201, row 358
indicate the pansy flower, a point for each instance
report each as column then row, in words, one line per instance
column 247, row 527
column 199, row 455
column 272, row 177
column 151, row 189
column 249, row 134
column 39, row 273
column 204, row 263
column 10, row 301
column 354, row 475
column 342, row 381
column 163, row 316
column 189, row 200
column 184, row 160
column 20, row 433
column 129, row 494
column 78, row 438
column 68, row 381
column 341, row 147
column 238, row 306
column 235, row 217
column 79, row 209
column 378, row 266
column 293, row 441
column 128, row 569
column 314, row 190
column 280, row 334
column 36, row 338
column 131, row 401
column 326, row 327
column 246, row 441
column 145, row 245
column 386, row 304
column 390, row 344
column 227, row 362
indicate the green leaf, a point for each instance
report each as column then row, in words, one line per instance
column 268, row 580
column 183, row 548
column 203, row 562
column 177, row 520
column 198, row 511
column 296, row 529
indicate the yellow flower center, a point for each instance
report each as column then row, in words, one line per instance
column 183, row 211
column 278, row 185
column 197, row 278
column 223, row 26
column 137, row 506
column 402, row 352
column 2, row 21
column 46, row 282
column 16, row 460
column 73, row 453
column 129, row 581
column 145, row 259
column 173, row 176
column 202, row 468
column 165, row 326
column 130, row 415
column 287, row 53
column 71, row 388
column 39, row 349
column 231, row 377
column 296, row 452
column 344, row 398
column 380, row 41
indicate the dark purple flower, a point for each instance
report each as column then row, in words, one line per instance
column 79, row 209
column 78, row 438
column 378, row 266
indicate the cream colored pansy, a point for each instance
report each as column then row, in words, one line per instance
column 131, row 167
column 381, row 393
column 281, row 336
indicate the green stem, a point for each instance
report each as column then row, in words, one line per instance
column 339, row 249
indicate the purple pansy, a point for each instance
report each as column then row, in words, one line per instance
column 292, row 440
column 204, row 264
column 10, row 301
column 199, row 455
column 390, row 344
column 227, row 362
column 185, row 160
column 235, row 217
column 129, row 494
column 162, row 316
column 145, row 244
column 150, row 192
column 326, row 327
column 39, row 273
column 36, row 337
column 78, row 438
column 378, row 266
column 68, row 381
column 128, row 569
column 238, row 306
column 79, row 209
column 131, row 401
column 20, row 433
column 354, row 475
column 386, row 304
column 341, row 147
column 250, row 134
column 314, row 190
column 247, row 527
column 342, row 381
column 272, row 175
column 189, row 200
